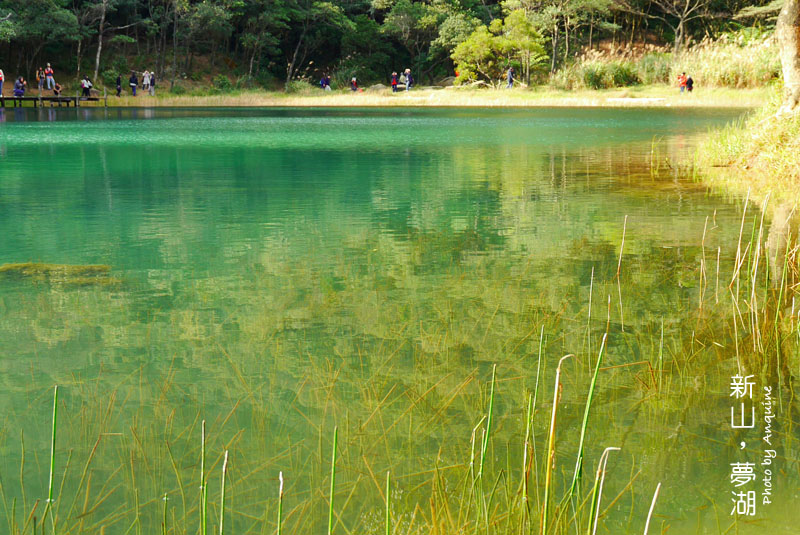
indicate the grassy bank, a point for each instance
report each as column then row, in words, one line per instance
column 655, row 95
column 745, row 59
column 760, row 154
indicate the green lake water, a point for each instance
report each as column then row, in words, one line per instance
column 277, row 273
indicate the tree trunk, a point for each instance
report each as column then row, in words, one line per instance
column 788, row 32
column 678, row 37
column 80, row 51
column 292, row 64
column 174, row 46
column 100, row 38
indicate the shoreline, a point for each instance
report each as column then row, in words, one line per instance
column 640, row 96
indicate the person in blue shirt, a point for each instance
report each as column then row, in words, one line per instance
column 19, row 87
column 409, row 79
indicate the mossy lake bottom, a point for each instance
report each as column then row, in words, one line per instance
column 278, row 273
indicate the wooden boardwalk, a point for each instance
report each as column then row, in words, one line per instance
column 41, row 101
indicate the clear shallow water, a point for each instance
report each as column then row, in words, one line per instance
column 280, row 272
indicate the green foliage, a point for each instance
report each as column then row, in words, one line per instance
column 178, row 89
column 299, row 86
column 489, row 51
column 365, row 51
column 654, row 68
column 274, row 40
column 222, row 83
column 109, row 78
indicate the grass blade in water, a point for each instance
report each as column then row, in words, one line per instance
column 222, row 495
column 333, row 480
column 551, row 448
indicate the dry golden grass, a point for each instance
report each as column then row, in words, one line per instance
column 652, row 96
column 759, row 154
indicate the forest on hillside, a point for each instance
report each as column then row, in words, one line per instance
column 271, row 43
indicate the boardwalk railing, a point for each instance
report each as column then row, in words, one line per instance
column 40, row 100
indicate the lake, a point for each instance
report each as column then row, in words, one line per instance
column 280, row 273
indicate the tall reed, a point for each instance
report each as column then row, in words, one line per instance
column 222, row 495
column 652, row 507
column 597, row 491
column 49, row 506
column 576, row 477
column 388, row 505
column 333, row 479
column 203, row 493
column 551, row 448
column 280, row 501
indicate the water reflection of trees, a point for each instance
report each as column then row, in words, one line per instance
column 377, row 295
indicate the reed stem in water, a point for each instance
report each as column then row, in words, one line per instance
column 333, row 479
column 280, row 501
column 222, row 495
column 49, row 506
column 574, row 486
column 388, row 505
column 652, row 506
column 597, row 492
column 551, row 447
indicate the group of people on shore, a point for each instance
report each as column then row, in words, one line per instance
column 45, row 80
column 148, row 83
column 407, row 79
column 685, row 83
column 44, row 77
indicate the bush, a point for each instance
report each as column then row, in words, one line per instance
column 109, row 78
column 178, row 89
column 621, row 74
column 727, row 63
column 222, row 83
column 593, row 76
column 654, row 68
column 299, row 86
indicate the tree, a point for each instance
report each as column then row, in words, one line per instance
column 313, row 19
column 415, row 25
column 788, row 33
column 36, row 23
column 489, row 51
column 677, row 15
column 263, row 20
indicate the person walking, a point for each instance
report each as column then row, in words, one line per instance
column 40, row 78
column 409, row 79
column 49, row 75
column 119, row 85
column 2, row 79
column 133, row 81
column 682, row 81
column 510, row 77
column 689, row 84
column 86, row 86
column 394, row 82
column 152, row 84
column 146, row 81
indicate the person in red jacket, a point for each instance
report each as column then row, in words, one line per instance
column 682, row 82
column 48, row 73
column 394, row 82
